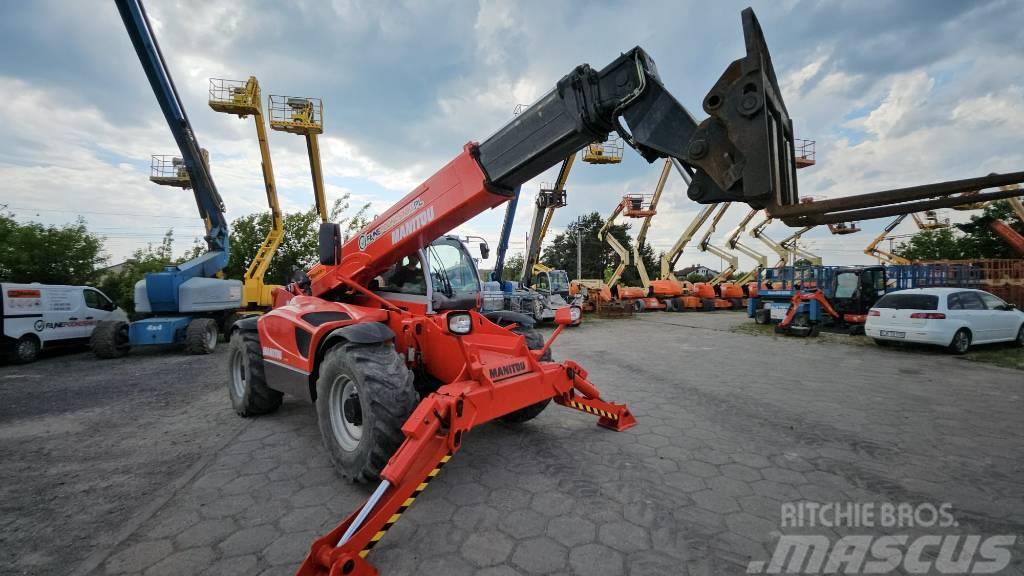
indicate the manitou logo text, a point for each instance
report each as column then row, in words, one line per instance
column 372, row 236
column 507, row 371
column 413, row 224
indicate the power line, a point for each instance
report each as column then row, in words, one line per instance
column 31, row 209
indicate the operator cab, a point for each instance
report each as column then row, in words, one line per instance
column 453, row 282
column 552, row 282
column 857, row 289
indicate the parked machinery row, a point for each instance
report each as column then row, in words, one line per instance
column 191, row 303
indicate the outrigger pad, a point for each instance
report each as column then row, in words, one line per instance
column 745, row 150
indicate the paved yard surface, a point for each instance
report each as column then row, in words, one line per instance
column 138, row 466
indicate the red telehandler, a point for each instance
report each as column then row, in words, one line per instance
column 383, row 334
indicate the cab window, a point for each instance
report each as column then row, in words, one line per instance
column 541, row 282
column 846, row 285
column 559, row 281
column 97, row 301
column 405, row 277
column 992, row 302
column 451, row 269
column 971, row 301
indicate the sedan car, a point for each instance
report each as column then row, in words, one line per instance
column 954, row 318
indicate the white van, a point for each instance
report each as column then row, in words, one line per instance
column 33, row 316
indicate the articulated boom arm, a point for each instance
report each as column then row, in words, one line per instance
column 733, row 242
column 790, row 243
column 605, row 235
column 745, row 146
column 873, row 250
column 547, row 202
column 758, row 232
column 636, row 260
column 208, row 200
column 706, row 246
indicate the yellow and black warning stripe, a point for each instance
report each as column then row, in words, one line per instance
column 405, row 506
column 592, row 410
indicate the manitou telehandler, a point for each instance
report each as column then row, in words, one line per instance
column 382, row 335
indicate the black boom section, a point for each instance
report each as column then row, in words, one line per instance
column 742, row 152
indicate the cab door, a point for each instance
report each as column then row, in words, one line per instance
column 982, row 324
column 1004, row 320
column 97, row 308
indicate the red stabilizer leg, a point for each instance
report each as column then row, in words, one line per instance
column 610, row 415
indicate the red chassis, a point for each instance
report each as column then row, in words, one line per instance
column 491, row 373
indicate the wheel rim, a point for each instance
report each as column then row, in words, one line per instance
column 26, row 348
column 346, row 433
column 238, row 373
column 962, row 342
column 211, row 338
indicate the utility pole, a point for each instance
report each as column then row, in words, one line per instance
column 579, row 253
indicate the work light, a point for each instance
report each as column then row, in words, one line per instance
column 460, row 323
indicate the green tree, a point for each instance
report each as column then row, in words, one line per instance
column 299, row 247
column 120, row 285
column 694, row 277
column 598, row 258
column 32, row 252
column 513, row 268
column 940, row 244
column 979, row 241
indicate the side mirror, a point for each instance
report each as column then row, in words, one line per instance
column 485, row 250
column 569, row 315
column 330, row 243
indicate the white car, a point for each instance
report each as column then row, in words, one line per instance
column 954, row 318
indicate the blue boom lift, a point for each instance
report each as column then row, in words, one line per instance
column 186, row 303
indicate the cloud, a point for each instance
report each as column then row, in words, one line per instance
column 890, row 99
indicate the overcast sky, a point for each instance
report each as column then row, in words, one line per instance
column 894, row 94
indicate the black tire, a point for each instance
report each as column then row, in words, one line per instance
column 707, row 305
column 881, row 343
column 110, row 339
column 1019, row 342
column 960, row 343
column 247, row 382
column 677, row 305
column 762, row 316
column 639, row 306
column 368, row 383
column 25, row 350
column 670, row 305
column 802, row 326
column 201, row 336
column 534, row 341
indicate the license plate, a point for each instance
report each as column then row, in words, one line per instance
column 892, row 334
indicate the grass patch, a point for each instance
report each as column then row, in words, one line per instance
column 999, row 355
column 1004, row 355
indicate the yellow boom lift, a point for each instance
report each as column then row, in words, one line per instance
column 305, row 117
column 242, row 98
